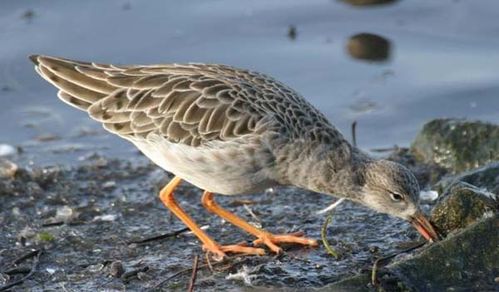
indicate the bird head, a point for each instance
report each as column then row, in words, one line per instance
column 391, row 188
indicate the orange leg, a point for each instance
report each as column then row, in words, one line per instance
column 263, row 237
column 166, row 196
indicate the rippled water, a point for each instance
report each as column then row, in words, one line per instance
column 428, row 59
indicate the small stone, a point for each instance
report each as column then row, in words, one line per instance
column 7, row 150
column 368, row 2
column 64, row 213
column 107, row 217
column 143, row 276
column 109, row 185
column 292, row 32
column 28, row 14
column 8, row 168
column 369, row 47
column 4, row 279
column 116, row 269
column 428, row 196
column 95, row 268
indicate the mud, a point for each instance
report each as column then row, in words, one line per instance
column 85, row 217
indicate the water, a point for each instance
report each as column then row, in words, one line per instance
column 442, row 60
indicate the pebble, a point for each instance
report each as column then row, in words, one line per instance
column 116, row 269
column 64, row 213
column 109, row 184
column 108, row 217
column 428, row 195
column 8, row 168
column 7, row 150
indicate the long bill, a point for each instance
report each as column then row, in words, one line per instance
column 424, row 227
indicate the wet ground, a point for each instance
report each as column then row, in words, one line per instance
column 85, row 218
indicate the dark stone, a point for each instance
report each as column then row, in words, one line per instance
column 461, row 205
column 486, row 177
column 457, row 144
column 466, row 261
column 369, row 2
column 116, row 269
column 368, row 46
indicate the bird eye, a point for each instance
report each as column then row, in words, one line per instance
column 396, row 197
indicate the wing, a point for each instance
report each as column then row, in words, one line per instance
column 191, row 104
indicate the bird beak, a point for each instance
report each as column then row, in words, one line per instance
column 424, row 227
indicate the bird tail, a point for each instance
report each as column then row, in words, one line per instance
column 80, row 84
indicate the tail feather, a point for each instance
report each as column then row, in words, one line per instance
column 81, row 93
column 73, row 101
column 76, row 88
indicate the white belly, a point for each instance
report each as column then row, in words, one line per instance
column 219, row 168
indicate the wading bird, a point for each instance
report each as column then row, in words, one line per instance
column 231, row 131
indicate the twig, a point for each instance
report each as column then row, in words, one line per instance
column 192, row 281
column 390, row 149
column 354, row 134
column 252, row 214
column 374, row 280
column 36, row 260
column 59, row 223
column 26, row 256
column 328, row 247
column 208, row 262
column 162, row 282
column 159, row 237
column 331, row 207
column 18, row 270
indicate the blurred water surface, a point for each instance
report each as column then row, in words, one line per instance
column 390, row 67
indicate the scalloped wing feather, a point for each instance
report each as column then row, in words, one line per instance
column 191, row 104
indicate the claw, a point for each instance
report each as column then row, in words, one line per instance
column 219, row 252
column 271, row 240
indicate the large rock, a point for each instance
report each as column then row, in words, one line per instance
column 466, row 261
column 461, row 205
column 486, row 177
column 456, row 144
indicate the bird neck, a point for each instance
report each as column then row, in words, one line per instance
column 328, row 170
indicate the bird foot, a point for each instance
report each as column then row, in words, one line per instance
column 271, row 240
column 219, row 251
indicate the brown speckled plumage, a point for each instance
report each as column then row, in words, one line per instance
column 229, row 131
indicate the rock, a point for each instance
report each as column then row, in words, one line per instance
column 486, row 177
column 7, row 150
column 8, row 169
column 457, row 144
column 370, row 47
column 116, row 269
column 461, row 205
column 358, row 283
column 466, row 261
column 428, row 196
column 368, row 2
